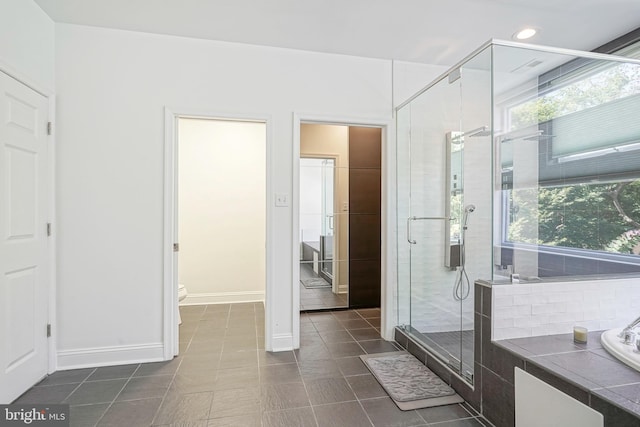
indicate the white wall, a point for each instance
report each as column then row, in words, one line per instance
column 27, row 42
column 113, row 86
column 222, row 185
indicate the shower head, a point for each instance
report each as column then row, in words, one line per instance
column 469, row 208
column 481, row 131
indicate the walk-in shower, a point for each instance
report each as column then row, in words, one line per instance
column 512, row 161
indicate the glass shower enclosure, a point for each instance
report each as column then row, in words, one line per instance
column 479, row 151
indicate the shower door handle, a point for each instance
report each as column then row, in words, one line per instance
column 422, row 218
column 411, row 218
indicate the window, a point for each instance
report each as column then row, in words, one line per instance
column 584, row 198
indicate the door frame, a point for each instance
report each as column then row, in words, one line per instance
column 170, row 258
column 52, row 356
column 388, row 306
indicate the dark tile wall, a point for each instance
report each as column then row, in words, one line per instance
column 365, row 145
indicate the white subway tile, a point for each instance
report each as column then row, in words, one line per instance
column 530, row 299
column 503, row 301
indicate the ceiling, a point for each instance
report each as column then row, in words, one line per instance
column 428, row 31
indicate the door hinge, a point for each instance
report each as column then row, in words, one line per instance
column 48, row 330
column 48, row 229
column 176, row 247
column 49, row 128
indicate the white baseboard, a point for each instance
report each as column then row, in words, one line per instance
column 109, row 356
column 282, row 342
column 223, row 298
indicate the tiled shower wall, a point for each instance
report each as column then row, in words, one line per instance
column 533, row 309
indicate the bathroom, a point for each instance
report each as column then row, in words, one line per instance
column 518, row 228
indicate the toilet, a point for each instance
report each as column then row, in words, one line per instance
column 182, row 294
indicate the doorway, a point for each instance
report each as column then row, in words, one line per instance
column 339, row 216
column 219, row 212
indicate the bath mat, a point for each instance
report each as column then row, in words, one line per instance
column 409, row 383
column 315, row 283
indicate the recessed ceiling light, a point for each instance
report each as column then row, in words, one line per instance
column 525, row 33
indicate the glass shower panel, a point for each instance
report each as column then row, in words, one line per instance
column 435, row 312
column 474, row 195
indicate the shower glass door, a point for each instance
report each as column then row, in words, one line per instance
column 444, row 211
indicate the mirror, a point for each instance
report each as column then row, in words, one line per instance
column 324, row 216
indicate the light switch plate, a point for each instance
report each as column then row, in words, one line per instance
column 282, row 199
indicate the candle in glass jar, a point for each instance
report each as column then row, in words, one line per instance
column 580, row 334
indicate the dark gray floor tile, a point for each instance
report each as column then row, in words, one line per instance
column 312, row 339
column 133, row 413
column 200, row 423
column 321, row 317
column 355, row 324
column 384, row 413
column 439, row 414
column 365, row 334
column 346, row 315
column 329, row 390
column 345, row 349
column 275, row 358
column 277, row 374
column 47, row 394
column 312, row 352
column 284, row 396
column 184, row 408
column 467, row 422
column 323, row 368
column 113, row 372
column 299, row 417
column 158, row 368
column 369, row 312
column 328, row 325
column 334, row 415
column 86, row 415
column 378, row 346
column 238, row 358
column 374, row 322
column 237, row 378
column 210, row 348
column 192, row 382
column 352, row 366
column 209, row 334
column 366, row 386
column 249, row 420
column 67, row 377
column 96, row 392
column 235, row 402
column 145, row 387
column 204, row 363
column 336, row 336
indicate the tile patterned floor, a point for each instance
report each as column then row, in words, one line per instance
column 318, row 298
column 223, row 377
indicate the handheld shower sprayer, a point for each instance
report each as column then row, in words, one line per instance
column 462, row 287
column 467, row 210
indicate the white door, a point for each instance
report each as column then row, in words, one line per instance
column 24, row 263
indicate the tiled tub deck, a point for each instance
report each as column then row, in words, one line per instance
column 585, row 372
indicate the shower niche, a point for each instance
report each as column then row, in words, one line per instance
column 478, row 150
